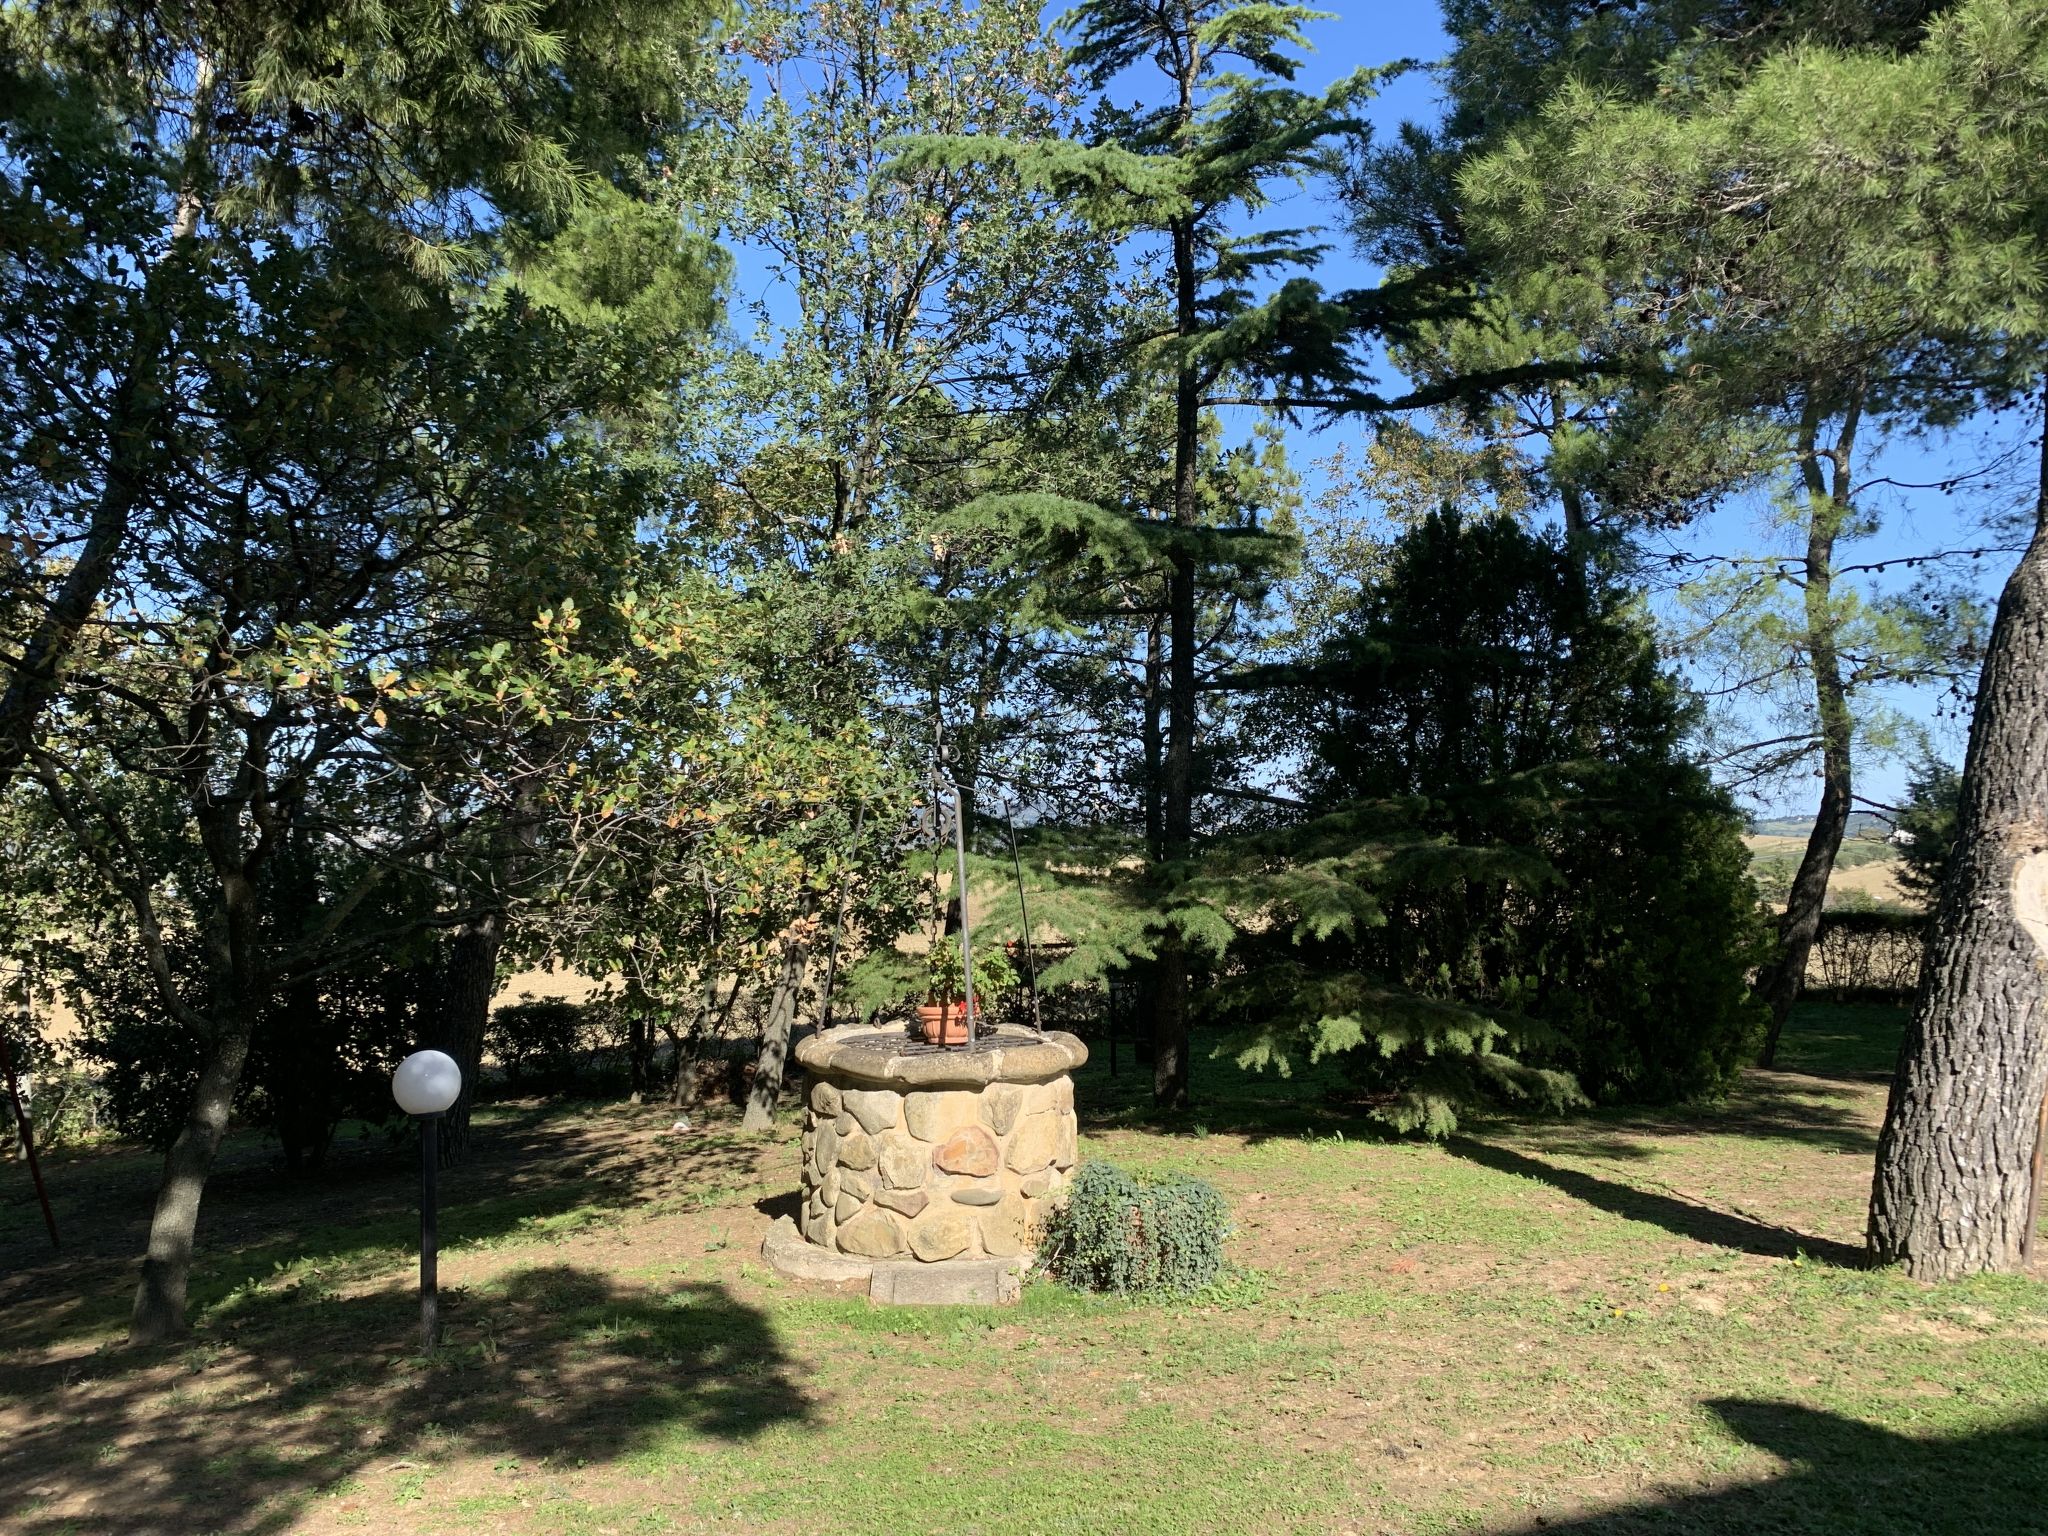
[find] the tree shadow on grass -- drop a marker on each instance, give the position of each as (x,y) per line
(1838,1112)
(1852,1479)
(1852,1041)
(1778,1106)
(534,1169)
(288,1397)
(1685,1218)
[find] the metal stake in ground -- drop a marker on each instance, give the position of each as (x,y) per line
(425,1084)
(1024,921)
(966,924)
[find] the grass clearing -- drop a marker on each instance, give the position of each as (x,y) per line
(1622,1322)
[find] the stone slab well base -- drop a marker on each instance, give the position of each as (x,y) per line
(917,1153)
(898,1282)
(785,1249)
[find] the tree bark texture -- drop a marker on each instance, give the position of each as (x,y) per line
(1170,996)
(1954,1164)
(167,1264)
(238,996)
(468,984)
(641,1023)
(775,1032)
(1154,743)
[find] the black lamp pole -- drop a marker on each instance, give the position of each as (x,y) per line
(430,1301)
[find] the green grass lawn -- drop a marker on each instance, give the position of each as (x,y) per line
(1618,1323)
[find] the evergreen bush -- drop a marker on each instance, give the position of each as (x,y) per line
(1514,878)
(1118,1232)
(1934,798)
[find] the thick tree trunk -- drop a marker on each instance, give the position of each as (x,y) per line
(1828,508)
(1954,1164)
(1170,995)
(305,1044)
(167,1266)
(641,1023)
(689,1073)
(238,993)
(775,1032)
(1154,743)
(1577,524)
(468,983)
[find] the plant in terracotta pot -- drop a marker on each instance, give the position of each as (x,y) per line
(942,1016)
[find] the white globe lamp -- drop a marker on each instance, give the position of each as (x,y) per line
(425,1085)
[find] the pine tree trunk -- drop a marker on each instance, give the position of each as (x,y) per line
(1170,995)
(167,1265)
(1154,743)
(468,983)
(1828,509)
(1781,981)
(1954,1164)
(775,1032)
(1577,524)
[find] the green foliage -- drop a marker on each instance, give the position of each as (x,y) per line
(1927,824)
(303,490)
(1115,1231)
(545,1043)
(317,1055)
(1600,173)
(65,1100)
(1515,879)
(994,974)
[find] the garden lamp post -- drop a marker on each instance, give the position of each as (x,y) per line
(425,1084)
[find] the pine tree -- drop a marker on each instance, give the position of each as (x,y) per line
(1935,268)
(1788,386)
(1927,829)
(890,478)
(1236,328)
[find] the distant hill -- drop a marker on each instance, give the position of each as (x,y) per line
(1866,869)
(1861,824)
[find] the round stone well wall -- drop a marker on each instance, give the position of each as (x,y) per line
(916,1152)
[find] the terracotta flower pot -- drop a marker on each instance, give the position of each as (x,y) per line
(943,1023)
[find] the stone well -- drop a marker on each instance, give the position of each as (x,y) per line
(925,1168)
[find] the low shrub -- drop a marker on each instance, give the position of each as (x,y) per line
(551,1044)
(1118,1232)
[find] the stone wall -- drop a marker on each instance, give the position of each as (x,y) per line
(933,1174)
